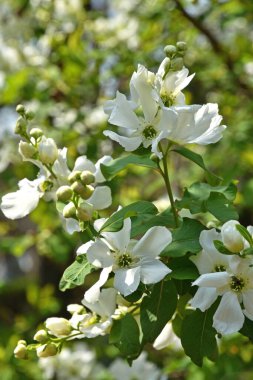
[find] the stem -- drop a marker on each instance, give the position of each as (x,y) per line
(165,175)
(50,170)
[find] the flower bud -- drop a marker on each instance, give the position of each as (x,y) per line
(170,50)
(20,128)
(29,115)
(41,336)
(87,177)
(20,351)
(49,349)
(69,210)
(74,176)
(26,150)
(36,133)
(64,193)
(177,64)
(20,109)
(154,157)
(58,326)
(231,238)
(83,214)
(48,151)
(75,308)
(181,45)
(85,191)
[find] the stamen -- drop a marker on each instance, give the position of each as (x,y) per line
(220,268)
(125,260)
(237,284)
(149,132)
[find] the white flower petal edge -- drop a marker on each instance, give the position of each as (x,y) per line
(153,242)
(204,298)
(105,305)
(92,295)
(101,198)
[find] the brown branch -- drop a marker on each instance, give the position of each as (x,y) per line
(217,47)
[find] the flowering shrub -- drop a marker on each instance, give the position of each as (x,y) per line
(153,267)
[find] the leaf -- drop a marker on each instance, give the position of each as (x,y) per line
(183,269)
(75,274)
(125,335)
(157,309)
(197,159)
(247,329)
(140,208)
(111,169)
(221,247)
(218,206)
(198,335)
(185,239)
(245,233)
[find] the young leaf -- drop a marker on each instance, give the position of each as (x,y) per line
(75,274)
(198,335)
(140,208)
(221,247)
(185,239)
(245,233)
(157,309)
(197,159)
(111,169)
(125,334)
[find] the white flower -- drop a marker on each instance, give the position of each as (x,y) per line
(132,261)
(236,288)
(231,237)
(58,326)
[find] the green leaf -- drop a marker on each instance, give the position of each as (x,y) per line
(218,206)
(245,233)
(157,309)
(185,239)
(125,335)
(197,159)
(75,274)
(183,269)
(221,247)
(111,169)
(140,208)
(247,329)
(198,335)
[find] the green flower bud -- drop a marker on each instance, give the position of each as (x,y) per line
(36,133)
(74,176)
(87,177)
(20,128)
(41,336)
(48,349)
(170,50)
(181,45)
(69,210)
(22,341)
(20,351)
(154,157)
(83,214)
(64,193)
(177,64)
(48,151)
(30,115)
(26,150)
(20,109)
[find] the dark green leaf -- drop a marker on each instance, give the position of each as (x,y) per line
(247,329)
(125,335)
(183,269)
(221,247)
(218,206)
(197,159)
(198,335)
(75,274)
(111,169)
(157,309)
(185,239)
(245,233)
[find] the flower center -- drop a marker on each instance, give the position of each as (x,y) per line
(149,132)
(168,99)
(219,268)
(237,284)
(125,260)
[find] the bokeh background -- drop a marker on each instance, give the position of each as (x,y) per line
(63,59)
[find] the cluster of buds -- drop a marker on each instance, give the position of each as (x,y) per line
(174,56)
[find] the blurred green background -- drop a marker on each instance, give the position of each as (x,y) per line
(63,59)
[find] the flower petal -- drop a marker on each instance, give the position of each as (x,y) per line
(153,242)
(82,163)
(98,174)
(119,240)
(98,254)
(71,225)
(228,317)
(247,297)
(105,305)
(129,143)
(213,280)
(101,198)
(153,271)
(126,281)
(122,113)
(84,248)
(92,295)
(204,298)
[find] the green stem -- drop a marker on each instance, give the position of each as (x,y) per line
(50,170)
(165,175)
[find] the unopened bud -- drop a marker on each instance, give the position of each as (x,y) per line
(41,336)
(154,157)
(20,128)
(69,211)
(48,151)
(181,45)
(75,308)
(49,349)
(64,193)
(74,176)
(87,177)
(170,50)
(20,109)
(20,351)
(29,115)
(22,341)
(177,64)
(26,150)
(83,215)
(58,326)
(231,237)
(36,133)
(85,191)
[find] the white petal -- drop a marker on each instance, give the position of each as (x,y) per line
(22,202)
(82,163)
(119,240)
(126,281)
(247,297)
(153,242)
(60,167)
(206,239)
(105,305)
(71,225)
(92,295)
(129,143)
(204,298)
(228,317)
(84,248)
(101,198)
(213,280)
(97,329)
(98,174)
(153,271)
(167,337)
(99,254)
(122,113)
